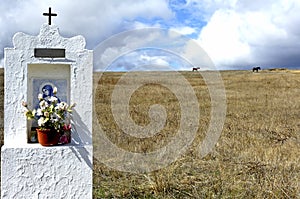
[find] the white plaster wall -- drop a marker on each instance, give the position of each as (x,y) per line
(47,172)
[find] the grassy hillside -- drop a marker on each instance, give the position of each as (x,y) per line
(257,155)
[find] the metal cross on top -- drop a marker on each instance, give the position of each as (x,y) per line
(49,15)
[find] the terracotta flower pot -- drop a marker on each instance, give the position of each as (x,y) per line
(48,137)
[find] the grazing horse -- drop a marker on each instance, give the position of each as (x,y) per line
(196,69)
(256,69)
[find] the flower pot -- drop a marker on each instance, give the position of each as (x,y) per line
(48,137)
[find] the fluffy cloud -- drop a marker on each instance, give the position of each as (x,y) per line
(142,60)
(149,60)
(96,20)
(184,30)
(246,33)
(223,40)
(149,48)
(104,18)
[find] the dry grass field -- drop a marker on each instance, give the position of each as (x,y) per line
(257,155)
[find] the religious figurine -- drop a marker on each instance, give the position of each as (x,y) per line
(48,92)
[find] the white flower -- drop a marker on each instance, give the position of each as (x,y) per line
(53,99)
(54,90)
(46,114)
(62,106)
(40,96)
(39,112)
(41,121)
(53,119)
(43,104)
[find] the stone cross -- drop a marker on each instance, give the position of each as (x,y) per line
(50,15)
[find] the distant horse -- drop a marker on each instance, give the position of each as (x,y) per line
(256,69)
(196,69)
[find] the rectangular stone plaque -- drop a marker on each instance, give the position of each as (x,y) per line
(50,52)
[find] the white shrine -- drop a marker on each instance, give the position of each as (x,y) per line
(30,170)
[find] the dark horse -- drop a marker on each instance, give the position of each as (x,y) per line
(196,69)
(256,69)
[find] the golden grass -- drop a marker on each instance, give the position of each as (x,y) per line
(257,155)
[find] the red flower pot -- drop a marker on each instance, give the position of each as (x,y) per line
(48,137)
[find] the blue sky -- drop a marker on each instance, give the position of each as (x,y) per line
(235,34)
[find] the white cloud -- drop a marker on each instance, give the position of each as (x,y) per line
(184,30)
(104,18)
(247,33)
(195,54)
(154,60)
(96,20)
(140,25)
(222,38)
(123,44)
(141,60)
